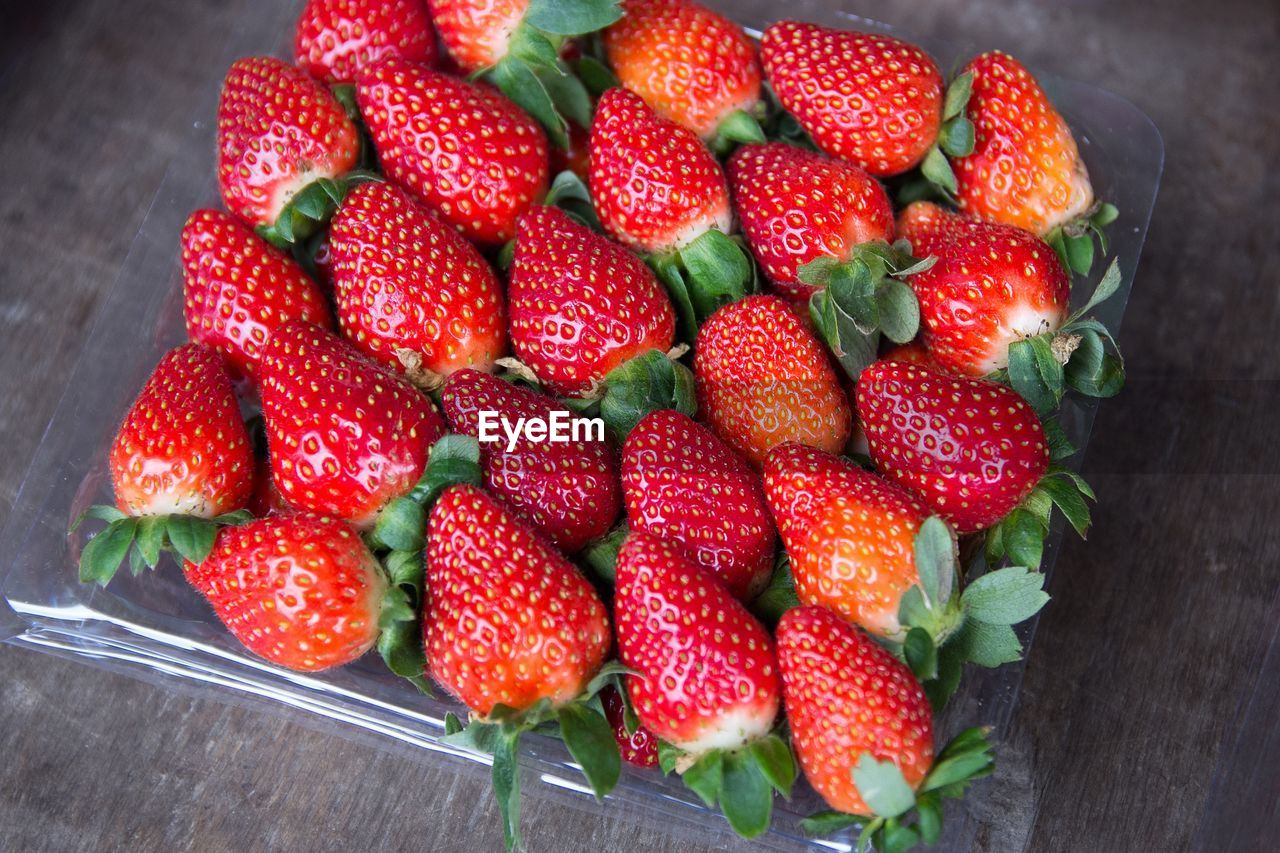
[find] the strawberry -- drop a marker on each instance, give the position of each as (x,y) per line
(693,66)
(477,34)
(704,678)
(797,206)
(763,380)
(575,156)
(683,484)
(637,746)
(409,290)
(470,154)
(346,435)
(581,305)
(301,591)
(913,352)
(336,39)
(239,289)
(266,499)
(282,138)
(566,491)
(867,98)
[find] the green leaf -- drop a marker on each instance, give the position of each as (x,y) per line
(395,608)
(973,739)
(935,558)
(668,755)
(897,837)
(102,512)
(960,763)
(1023,538)
(746,798)
(137,565)
(957,97)
(852,347)
(610,673)
(776,763)
(821,824)
(517,80)
(1079,252)
(152,536)
(1060,447)
(988,645)
(401,525)
(406,569)
(104,553)
(718,272)
(912,609)
(601,555)
(936,168)
(1107,213)
(705,777)
(740,126)
(506,787)
(642,385)
(779,596)
(234,519)
(1107,287)
(572,17)
(929,813)
(590,741)
(956,137)
(951,661)
(1006,596)
(595,75)
(567,186)
(899,311)
(307,212)
(400,646)
(532,47)
(192,537)
(1068,499)
(882,786)
(921,654)
(671,274)
(1092,370)
(475,736)
(1049,367)
(453,459)
(1025,377)
(570,96)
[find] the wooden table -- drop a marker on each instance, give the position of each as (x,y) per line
(1143,660)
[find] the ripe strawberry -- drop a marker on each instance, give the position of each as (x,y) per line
(266,499)
(992,285)
(693,66)
(474,157)
(239,289)
(850,535)
(408,287)
(913,352)
(763,380)
(477,34)
(797,206)
(1025,169)
(511,620)
(301,590)
(655,185)
(972,449)
(867,98)
(580,304)
(683,484)
(567,491)
(639,747)
(279,131)
(337,39)
(347,435)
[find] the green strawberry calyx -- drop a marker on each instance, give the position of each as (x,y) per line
(142,539)
(309,210)
(1079,241)
(704,275)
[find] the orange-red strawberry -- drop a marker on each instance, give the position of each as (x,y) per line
(239,289)
(913,352)
(300,590)
(797,206)
(474,157)
(279,130)
(1025,169)
(581,304)
(991,286)
(336,39)
(867,98)
(763,380)
(638,747)
(684,484)
(347,435)
(692,65)
(408,287)
(568,491)
(477,33)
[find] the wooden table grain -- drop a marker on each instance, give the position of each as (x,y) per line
(1135,691)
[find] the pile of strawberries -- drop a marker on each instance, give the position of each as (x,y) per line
(816,294)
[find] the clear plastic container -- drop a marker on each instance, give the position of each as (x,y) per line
(156,627)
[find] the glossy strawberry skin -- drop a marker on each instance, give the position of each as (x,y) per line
(568,492)
(278,130)
(972,449)
(474,157)
(845,696)
(683,484)
(477,33)
(763,380)
(346,435)
(336,39)
(690,64)
(301,590)
(1025,169)
(403,279)
(796,206)
(655,185)
(511,620)
(849,533)
(182,447)
(991,286)
(639,748)
(707,678)
(238,289)
(580,303)
(867,98)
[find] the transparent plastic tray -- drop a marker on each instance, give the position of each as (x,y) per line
(156,627)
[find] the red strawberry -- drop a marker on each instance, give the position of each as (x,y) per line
(796,206)
(763,380)
(408,287)
(477,33)
(683,484)
(239,289)
(913,352)
(971,449)
(1025,169)
(337,39)
(266,499)
(279,130)
(639,747)
(301,591)
(850,535)
(511,620)
(581,304)
(867,98)
(847,696)
(655,185)
(474,157)
(566,491)
(692,65)
(347,436)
